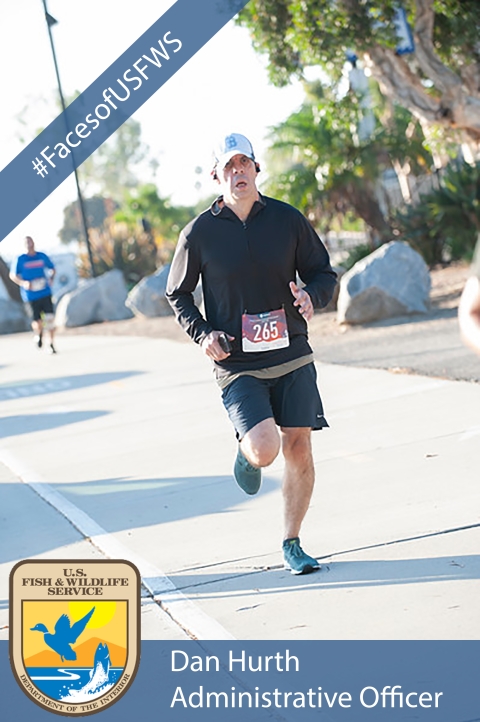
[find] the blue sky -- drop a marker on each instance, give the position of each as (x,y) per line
(223,88)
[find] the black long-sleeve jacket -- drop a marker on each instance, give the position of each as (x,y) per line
(247,267)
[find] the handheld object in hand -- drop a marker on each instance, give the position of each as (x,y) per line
(225,344)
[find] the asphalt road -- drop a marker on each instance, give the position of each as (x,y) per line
(119,447)
(425,344)
(429,345)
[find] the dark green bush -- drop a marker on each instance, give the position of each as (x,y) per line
(356,254)
(416,226)
(445,224)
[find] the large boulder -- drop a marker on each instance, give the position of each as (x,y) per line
(95,300)
(66,275)
(147,298)
(8,289)
(392,281)
(13,318)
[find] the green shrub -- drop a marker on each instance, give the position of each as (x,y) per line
(356,254)
(445,224)
(416,226)
(455,209)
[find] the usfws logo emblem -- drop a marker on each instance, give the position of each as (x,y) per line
(74,632)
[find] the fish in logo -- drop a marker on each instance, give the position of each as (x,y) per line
(74,632)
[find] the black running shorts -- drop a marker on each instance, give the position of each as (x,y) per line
(292,400)
(41,305)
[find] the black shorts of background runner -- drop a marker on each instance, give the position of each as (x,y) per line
(291,400)
(41,305)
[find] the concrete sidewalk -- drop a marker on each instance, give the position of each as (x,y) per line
(128,437)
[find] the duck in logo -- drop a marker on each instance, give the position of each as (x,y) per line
(65,634)
(74,645)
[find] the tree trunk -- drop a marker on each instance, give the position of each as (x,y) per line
(457,103)
(366,205)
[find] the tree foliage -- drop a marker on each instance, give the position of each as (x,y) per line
(137,236)
(97,210)
(144,206)
(321,165)
(110,171)
(439,83)
(106,177)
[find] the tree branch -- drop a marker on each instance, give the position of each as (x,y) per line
(444,78)
(455,108)
(401,84)
(471,77)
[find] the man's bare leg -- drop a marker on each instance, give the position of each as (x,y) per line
(50,326)
(298,481)
(261,445)
(37,328)
(298,478)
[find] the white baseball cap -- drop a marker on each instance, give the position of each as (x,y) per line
(230,145)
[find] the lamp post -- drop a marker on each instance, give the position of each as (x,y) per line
(50,22)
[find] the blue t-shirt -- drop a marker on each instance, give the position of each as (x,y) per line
(33,268)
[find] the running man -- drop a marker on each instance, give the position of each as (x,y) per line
(247,249)
(34,272)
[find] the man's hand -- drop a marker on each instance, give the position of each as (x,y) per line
(211,346)
(302,301)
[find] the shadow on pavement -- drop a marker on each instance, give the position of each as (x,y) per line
(115,504)
(127,503)
(29,423)
(38,387)
(333,576)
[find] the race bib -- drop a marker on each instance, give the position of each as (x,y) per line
(38,284)
(264,331)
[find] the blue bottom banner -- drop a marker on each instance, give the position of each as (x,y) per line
(348,681)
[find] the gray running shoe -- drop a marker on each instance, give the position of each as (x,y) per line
(248,477)
(296,561)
